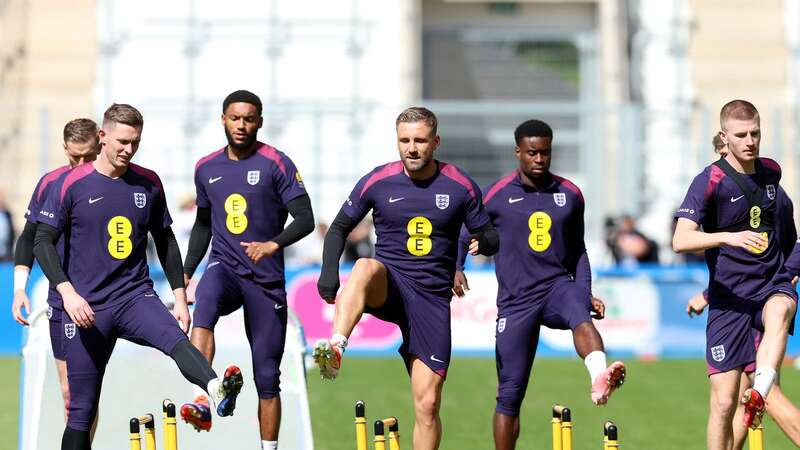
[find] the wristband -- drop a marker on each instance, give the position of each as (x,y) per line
(21,279)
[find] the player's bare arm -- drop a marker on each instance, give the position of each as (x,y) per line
(474,247)
(460,284)
(75,305)
(484,241)
(689,238)
(696,305)
(181,309)
(792,263)
(598,308)
(21,302)
(23,261)
(257,250)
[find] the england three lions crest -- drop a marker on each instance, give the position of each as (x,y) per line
(442,201)
(718,353)
(771,191)
(560,198)
(253,177)
(139,199)
(69,330)
(501,325)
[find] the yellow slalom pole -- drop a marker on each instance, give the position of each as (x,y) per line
(135,437)
(610,436)
(556,427)
(566,429)
(170,425)
(755,438)
(380,438)
(149,431)
(361,426)
(394,432)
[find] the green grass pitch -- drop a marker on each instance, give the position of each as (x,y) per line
(662,406)
(9,402)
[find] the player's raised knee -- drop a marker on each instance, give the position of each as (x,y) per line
(367,265)
(366,268)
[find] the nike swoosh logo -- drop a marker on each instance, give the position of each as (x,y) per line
(515,200)
(149,295)
(434,358)
(210,265)
(737,198)
(94,200)
(277,306)
(392,200)
(214,180)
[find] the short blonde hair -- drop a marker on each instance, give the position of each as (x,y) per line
(739,110)
(124,114)
(80,131)
(418,114)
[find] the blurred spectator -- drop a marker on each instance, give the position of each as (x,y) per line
(309,249)
(7,235)
(610,233)
(627,244)
(359,243)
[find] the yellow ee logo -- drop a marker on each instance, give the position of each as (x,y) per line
(539,223)
(120,229)
(419,231)
(760,250)
(235,206)
(755,217)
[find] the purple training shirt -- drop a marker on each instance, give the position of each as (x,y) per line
(248,201)
(417,222)
(104,224)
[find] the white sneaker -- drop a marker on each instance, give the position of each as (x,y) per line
(223,391)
